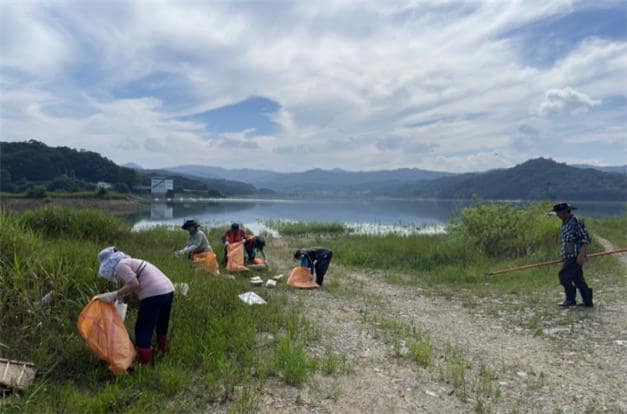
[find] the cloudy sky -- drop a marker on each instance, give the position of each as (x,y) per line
(293,85)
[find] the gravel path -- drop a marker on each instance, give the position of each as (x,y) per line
(576,367)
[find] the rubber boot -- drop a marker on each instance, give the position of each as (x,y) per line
(144,355)
(587,298)
(162,341)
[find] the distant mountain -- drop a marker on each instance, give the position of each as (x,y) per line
(216,186)
(133,166)
(621,169)
(535,179)
(318,181)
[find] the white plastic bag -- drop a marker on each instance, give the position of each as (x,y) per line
(252,298)
(182,288)
(121,308)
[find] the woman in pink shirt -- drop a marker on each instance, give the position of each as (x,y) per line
(154,290)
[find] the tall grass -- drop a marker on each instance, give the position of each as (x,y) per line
(613,229)
(213,334)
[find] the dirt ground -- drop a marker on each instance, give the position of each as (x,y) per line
(113,206)
(574,367)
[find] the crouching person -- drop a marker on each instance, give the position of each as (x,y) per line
(316,259)
(197,242)
(154,290)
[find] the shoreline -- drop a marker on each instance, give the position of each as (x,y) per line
(115,206)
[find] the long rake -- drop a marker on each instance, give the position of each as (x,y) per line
(550,262)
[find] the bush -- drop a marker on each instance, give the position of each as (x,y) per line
(502,230)
(36,191)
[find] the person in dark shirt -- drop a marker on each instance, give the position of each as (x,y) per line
(317,259)
(253,247)
(574,251)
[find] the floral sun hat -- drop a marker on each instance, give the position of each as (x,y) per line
(109,258)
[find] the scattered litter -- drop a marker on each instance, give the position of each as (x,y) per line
(621,343)
(256,281)
(270,283)
(521,374)
(120,308)
(278,277)
(182,288)
(17,374)
(47,298)
(252,298)
(431,393)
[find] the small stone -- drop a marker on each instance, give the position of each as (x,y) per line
(521,374)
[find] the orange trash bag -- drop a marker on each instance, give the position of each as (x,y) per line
(301,278)
(207,261)
(235,253)
(105,333)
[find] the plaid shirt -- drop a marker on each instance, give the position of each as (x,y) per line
(573,234)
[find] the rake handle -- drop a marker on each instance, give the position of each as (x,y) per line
(550,262)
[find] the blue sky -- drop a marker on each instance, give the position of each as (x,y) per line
(289,86)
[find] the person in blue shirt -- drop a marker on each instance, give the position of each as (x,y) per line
(574,251)
(317,259)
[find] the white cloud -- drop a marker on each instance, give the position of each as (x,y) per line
(567,100)
(349,77)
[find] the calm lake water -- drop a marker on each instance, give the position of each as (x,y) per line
(369,216)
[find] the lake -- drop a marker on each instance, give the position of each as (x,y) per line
(363,215)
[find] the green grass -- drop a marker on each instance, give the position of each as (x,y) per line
(213,334)
(613,229)
(287,228)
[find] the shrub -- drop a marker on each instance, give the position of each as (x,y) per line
(36,191)
(502,230)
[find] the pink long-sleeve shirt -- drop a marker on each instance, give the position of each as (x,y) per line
(152,281)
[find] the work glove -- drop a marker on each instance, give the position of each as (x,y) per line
(107,297)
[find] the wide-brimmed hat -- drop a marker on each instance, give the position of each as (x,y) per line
(558,208)
(190,223)
(109,257)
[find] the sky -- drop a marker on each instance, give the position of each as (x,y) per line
(295,85)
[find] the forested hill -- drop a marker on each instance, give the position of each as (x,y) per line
(23,164)
(33,162)
(532,180)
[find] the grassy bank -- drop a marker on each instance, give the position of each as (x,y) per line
(216,355)
(223,352)
(483,238)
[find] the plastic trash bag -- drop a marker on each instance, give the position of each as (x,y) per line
(302,278)
(207,261)
(105,333)
(235,253)
(120,308)
(252,298)
(181,288)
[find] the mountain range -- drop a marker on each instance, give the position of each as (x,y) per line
(25,164)
(534,179)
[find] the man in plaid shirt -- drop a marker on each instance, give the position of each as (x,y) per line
(574,252)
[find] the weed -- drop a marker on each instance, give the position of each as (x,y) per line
(332,363)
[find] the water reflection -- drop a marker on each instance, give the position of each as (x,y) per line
(381,213)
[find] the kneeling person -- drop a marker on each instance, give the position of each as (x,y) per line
(197,241)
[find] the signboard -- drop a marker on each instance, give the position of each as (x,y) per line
(161,185)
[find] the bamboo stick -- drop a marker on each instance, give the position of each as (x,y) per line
(550,262)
